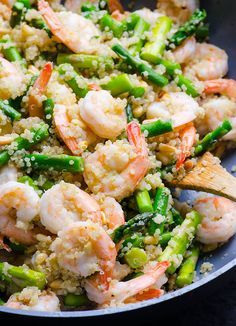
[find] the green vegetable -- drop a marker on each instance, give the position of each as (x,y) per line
(28,180)
(181,240)
(156,128)
(17,15)
(86,61)
(187,269)
(22,276)
(131,21)
(76,300)
(202,33)
(88,6)
(143,201)
(188,29)
(10,52)
(119,84)
(110,24)
(47,185)
(160,206)
(140,66)
(177,218)
(16,247)
(39,23)
(165,238)
(140,28)
(48,106)
(129,113)
(1,302)
(26,3)
(136,258)
(132,276)
(211,138)
(137,91)
(38,135)
(76,82)
(137,223)
(9,111)
(156,46)
(186,85)
(64,163)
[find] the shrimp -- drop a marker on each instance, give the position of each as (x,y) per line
(138,289)
(76,32)
(185,51)
(216,110)
(31,298)
(179,107)
(38,89)
(104,114)
(74,132)
(7,174)
(8,3)
(11,80)
(188,137)
(114,215)
(179,10)
(115,169)
(209,62)
(85,248)
(223,86)
(115,5)
(219,220)
(25,201)
(64,204)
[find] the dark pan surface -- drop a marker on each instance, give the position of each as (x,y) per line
(221,15)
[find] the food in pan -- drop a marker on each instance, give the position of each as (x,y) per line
(100,109)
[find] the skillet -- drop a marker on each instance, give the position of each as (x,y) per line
(221,16)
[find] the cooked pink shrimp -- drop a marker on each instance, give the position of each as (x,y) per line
(144,287)
(104,114)
(179,10)
(64,204)
(11,79)
(188,137)
(185,51)
(209,62)
(223,86)
(219,219)
(38,89)
(113,212)
(73,30)
(115,169)
(8,3)
(31,298)
(75,134)
(85,248)
(25,201)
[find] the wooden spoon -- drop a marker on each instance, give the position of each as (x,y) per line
(209,176)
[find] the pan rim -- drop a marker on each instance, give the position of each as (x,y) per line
(127,307)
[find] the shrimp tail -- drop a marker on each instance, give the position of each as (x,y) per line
(149,294)
(39,87)
(136,139)
(188,137)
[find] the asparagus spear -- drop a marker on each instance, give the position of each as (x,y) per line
(22,276)
(156,128)
(186,272)
(140,66)
(160,206)
(64,163)
(165,238)
(48,106)
(143,201)
(188,29)
(119,84)
(39,23)
(186,85)
(181,240)
(28,180)
(129,113)
(10,52)
(76,300)
(9,111)
(140,28)
(76,82)
(38,135)
(17,14)
(156,46)
(1,302)
(137,223)
(136,257)
(86,61)
(137,91)
(110,24)
(211,138)
(177,218)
